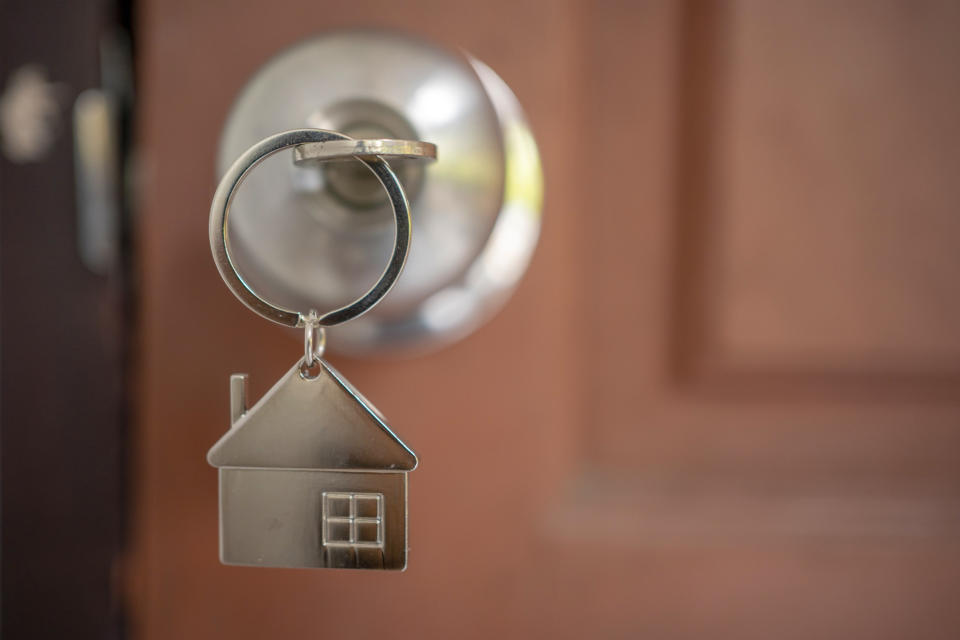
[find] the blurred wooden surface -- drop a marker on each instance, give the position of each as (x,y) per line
(722,403)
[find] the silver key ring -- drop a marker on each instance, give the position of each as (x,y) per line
(310,145)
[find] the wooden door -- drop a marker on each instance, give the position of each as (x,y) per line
(723,402)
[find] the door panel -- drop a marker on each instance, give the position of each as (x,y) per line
(721,402)
(828,191)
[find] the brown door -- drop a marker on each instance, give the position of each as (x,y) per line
(723,402)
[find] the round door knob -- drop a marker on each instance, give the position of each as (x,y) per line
(319,233)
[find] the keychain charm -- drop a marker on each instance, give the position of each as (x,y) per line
(311,475)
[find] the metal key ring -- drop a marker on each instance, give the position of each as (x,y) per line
(220,211)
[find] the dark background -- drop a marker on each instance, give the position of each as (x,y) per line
(63,331)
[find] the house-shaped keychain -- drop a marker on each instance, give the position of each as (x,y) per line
(311,476)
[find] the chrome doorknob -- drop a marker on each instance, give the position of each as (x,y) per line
(309,234)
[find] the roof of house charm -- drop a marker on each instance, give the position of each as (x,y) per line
(311,476)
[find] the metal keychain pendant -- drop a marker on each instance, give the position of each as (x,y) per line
(311,476)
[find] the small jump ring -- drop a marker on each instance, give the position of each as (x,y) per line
(314,340)
(220,211)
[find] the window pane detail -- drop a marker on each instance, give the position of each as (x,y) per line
(368,507)
(352,520)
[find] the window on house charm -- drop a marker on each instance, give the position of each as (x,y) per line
(353,520)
